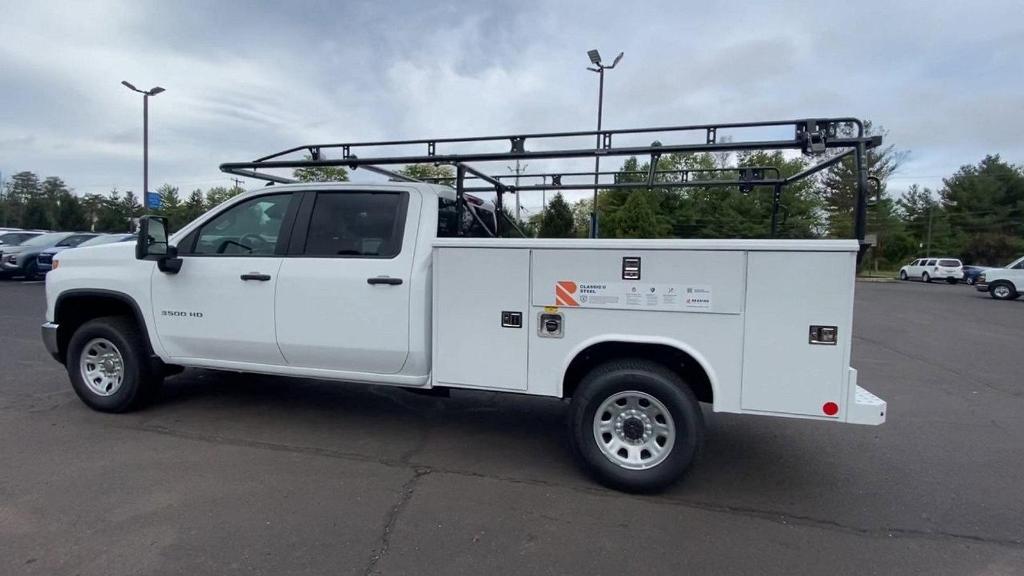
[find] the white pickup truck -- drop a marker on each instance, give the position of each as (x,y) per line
(366,283)
(1003,283)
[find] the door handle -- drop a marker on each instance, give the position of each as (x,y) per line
(255,276)
(384,280)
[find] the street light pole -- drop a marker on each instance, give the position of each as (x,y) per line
(145,136)
(595,59)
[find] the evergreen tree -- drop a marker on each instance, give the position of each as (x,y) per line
(36,215)
(839,185)
(558,221)
(71,214)
(194,207)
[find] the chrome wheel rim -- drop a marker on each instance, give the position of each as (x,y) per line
(634,430)
(1001,291)
(102,367)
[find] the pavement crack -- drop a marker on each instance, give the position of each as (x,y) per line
(391,519)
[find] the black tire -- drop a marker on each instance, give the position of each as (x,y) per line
(952,281)
(31,271)
(970,281)
(903,275)
(657,381)
(140,381)
(1010,292)
(926,278)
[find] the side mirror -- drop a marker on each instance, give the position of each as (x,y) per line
(152,244)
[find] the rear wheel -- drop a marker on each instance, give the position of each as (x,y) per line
(1002,291)
(635,425)
(31,271)
(109,367)
(925,277)
(903,275)
(970,281)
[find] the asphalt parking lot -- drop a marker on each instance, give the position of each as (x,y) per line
(239,474)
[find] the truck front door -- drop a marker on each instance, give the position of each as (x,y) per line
(343,294)
(220,305)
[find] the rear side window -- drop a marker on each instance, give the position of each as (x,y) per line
(357,225)
(474,225)
(949,263)
(930,263)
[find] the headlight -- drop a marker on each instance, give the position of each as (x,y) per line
(12,259)
(981,277)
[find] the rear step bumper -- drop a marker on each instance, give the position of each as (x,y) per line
(864,407)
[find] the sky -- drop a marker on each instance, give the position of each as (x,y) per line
(244,79)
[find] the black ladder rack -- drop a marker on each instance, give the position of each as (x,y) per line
(815,136)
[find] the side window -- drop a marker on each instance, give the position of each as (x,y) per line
(930,263)
(447,214)
(251,228)
(357,224)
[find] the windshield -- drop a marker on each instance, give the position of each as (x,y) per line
(46,239)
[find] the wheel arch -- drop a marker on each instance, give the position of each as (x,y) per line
(674,354)
(77,306)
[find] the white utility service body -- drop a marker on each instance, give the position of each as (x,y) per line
(741,308)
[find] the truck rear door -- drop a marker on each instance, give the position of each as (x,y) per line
(343,291)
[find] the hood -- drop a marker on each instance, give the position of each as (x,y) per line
(12,249)
(116,250)
(54,250)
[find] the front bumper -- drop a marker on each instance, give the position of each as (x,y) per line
(49,330)
(981,286)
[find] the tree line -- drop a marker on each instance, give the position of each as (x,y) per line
(977,214)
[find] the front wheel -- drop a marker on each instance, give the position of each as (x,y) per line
(1002,291)
(635,425)
(903,275)
(108,365)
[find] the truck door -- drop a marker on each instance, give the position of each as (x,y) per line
(343,294)
(220,305)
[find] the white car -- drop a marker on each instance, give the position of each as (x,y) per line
(927,269)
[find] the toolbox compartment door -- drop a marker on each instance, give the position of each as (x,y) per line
(787,293)
(475,292)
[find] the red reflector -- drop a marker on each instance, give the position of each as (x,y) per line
(830,408)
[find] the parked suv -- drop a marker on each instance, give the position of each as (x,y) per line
(1003,283)
(928,269)
(21,260)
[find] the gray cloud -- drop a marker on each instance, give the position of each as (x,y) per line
(244,79)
